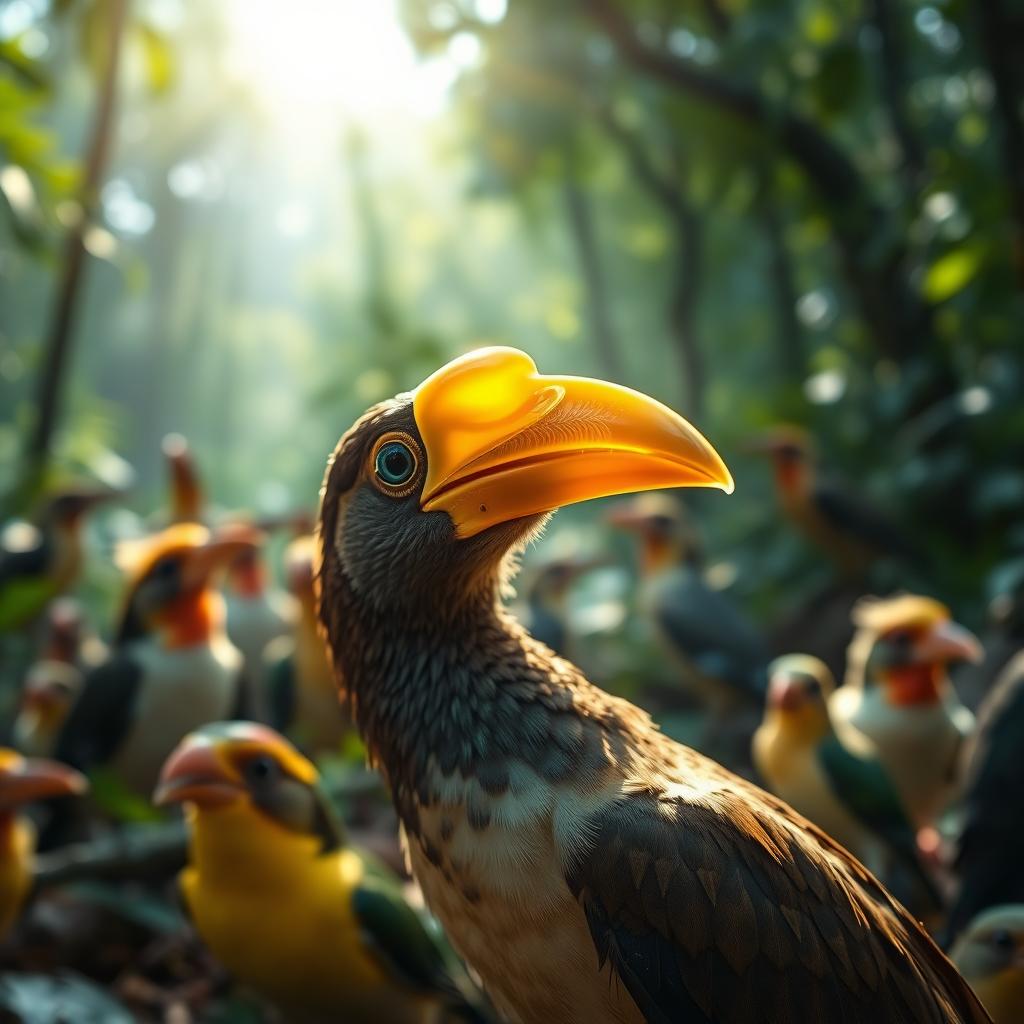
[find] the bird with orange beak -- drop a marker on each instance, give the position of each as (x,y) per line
(590,869)
(285,903)
(172,667)
(851,532)
(23,781)
(899,696)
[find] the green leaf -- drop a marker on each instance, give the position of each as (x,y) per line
(158,57)
(951,273)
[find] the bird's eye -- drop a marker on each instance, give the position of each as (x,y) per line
(901,637)
(165,568)
(261,769)
(395,464)
(1003,940)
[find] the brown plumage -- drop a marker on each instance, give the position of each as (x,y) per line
(588,867)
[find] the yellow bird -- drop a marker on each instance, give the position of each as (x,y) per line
(990,955)
(283,902)
(23,780)
(845,791)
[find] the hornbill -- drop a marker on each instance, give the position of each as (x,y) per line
(589,868)
(41,561)
(899,696)
(990,851)
(172,668)
(847,792)
(990,955)
(282,900)
(850,531)
(21,782)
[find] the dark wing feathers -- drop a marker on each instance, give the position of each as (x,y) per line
(729,914)
(712,633)
(398,937)
(100,718)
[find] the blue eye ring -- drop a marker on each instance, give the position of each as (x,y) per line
(395,464)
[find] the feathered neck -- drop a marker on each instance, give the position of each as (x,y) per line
(461,691)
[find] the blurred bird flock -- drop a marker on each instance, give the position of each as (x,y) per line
(226,229)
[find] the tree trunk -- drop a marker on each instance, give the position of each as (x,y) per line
(56,356)
(788,333)
(599,321)
(1004,63)
(683,309)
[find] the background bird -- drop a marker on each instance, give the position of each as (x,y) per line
(546,614)
(851,532)
(281,898)
(990,955)
(587,866)
(718,652)
(898,695)
(846,792)
(303,697)
(21,782)
(68,650)
(171,669)
(42,560)
(257,614)
(990,850)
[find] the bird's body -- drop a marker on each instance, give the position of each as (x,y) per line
(850,531)
(716,650)
(899,696)
(291,954)
(172,668)
(321,940)
(22,781)
(17,841)
(183,689)
(591,869)
(990,852)
(990,955)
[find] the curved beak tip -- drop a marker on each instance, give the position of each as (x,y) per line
(504,441)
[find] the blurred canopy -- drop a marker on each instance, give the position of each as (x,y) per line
(758,211)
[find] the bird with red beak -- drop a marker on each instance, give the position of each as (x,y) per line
(172,668)
(592,870)
(23,781)
(898,694)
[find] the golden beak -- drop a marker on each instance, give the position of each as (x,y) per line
(503,441)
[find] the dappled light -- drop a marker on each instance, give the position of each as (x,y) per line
(511,511)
